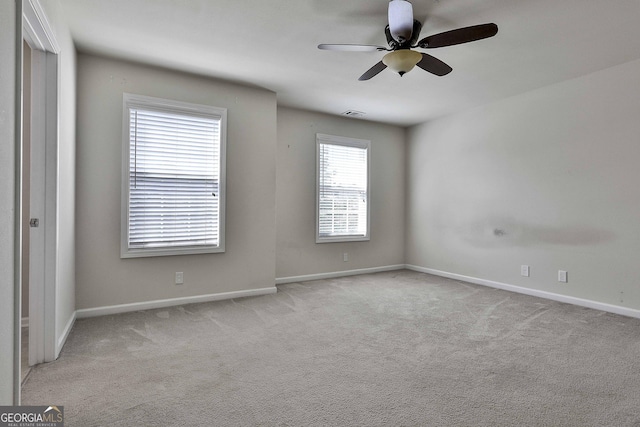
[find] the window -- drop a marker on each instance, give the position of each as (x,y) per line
(343,189)
(173,184)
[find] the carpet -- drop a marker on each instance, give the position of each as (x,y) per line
(397,348)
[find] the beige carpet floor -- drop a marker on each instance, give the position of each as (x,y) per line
(390,349)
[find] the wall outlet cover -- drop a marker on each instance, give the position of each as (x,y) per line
(563,276)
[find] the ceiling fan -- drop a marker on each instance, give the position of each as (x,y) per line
(402,35)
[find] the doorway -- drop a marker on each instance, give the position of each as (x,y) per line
(25,368)
(38,179)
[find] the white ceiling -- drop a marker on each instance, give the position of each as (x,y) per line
(272,44)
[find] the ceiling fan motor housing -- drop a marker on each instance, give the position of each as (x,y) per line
(400,20)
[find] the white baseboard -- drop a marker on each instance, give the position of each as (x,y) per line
(624,311)
(334,274)
(24,322)
(65,334)
(148,305)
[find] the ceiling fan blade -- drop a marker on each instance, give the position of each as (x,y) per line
(461,35)
(351,47)
(434,65)
(373,71)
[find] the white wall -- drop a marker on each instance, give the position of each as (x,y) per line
(65,263)
(102,278)
(548,178)
(7,183)
(297,251)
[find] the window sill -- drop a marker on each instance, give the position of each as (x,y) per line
(340,239)
(146,253)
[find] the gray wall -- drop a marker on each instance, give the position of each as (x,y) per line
(548,178)
(7,183)
(297,251)
(103,278)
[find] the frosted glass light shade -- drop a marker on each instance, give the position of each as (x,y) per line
(402,61)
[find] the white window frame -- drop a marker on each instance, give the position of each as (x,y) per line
(177,107)
(348,142)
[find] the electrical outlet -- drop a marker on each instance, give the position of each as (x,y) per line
(562,276)
(345,257)
(524,270)
(179,278)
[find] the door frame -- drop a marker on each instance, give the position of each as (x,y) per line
(38,33)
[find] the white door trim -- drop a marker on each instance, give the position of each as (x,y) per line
(51,205)
(36,28)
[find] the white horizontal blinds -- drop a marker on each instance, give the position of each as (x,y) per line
(342,187)
(174,179)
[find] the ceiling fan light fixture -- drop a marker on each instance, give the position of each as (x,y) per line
(403,34)
(402,61)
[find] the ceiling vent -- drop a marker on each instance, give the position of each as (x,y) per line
(353,113)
